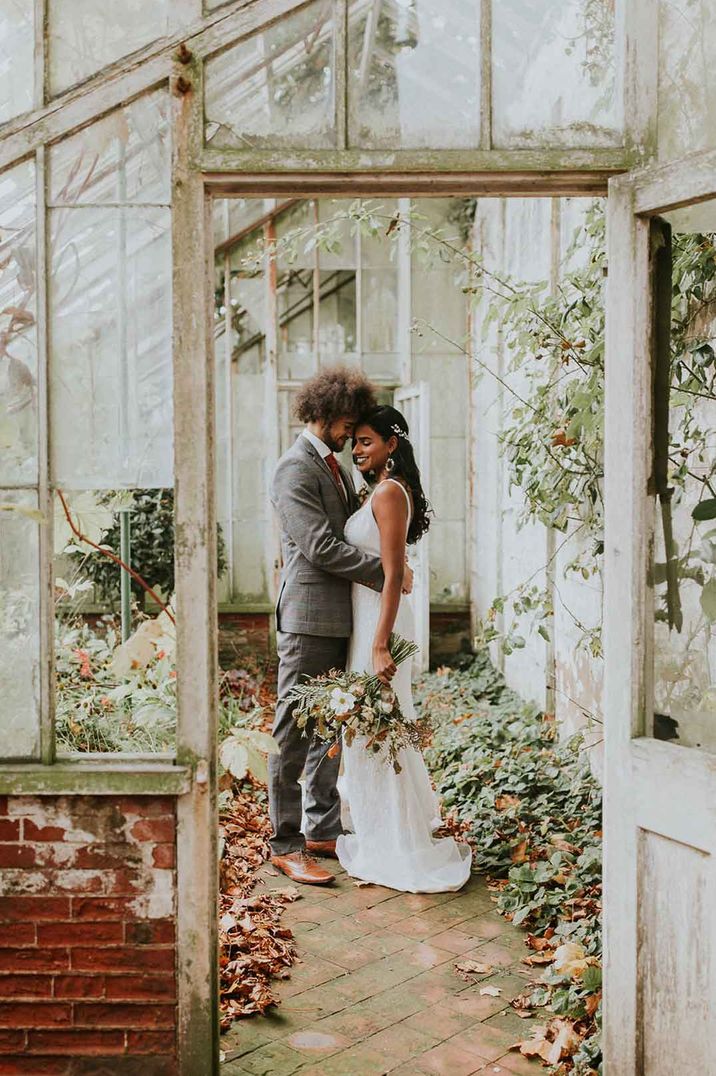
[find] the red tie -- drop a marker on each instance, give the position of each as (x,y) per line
(336,472)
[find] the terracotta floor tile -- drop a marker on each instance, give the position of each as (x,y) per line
(487,926)
(399,1042)
(311,972)
(314,1042)
(485,1041)
(448,1059)
(376,990)
(385,942)
(380,915)
(441,1021)
(454,940)
(273,1059)
(516,1064)
(472,1003)
(414,927)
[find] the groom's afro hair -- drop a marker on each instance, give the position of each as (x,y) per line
(335,392)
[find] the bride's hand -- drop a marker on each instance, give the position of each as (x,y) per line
(383,665)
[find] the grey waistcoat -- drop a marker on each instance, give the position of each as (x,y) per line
(318,565)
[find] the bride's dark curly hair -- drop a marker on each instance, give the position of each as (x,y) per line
(388,422)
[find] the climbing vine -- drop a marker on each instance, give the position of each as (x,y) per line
(552,433)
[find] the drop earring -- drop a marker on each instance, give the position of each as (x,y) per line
(390,465)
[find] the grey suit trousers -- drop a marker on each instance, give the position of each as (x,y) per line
(301,656)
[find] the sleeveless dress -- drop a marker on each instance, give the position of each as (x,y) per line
(392,815)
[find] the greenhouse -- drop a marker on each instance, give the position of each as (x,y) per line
(504,215)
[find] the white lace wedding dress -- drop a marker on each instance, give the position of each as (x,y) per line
(392,815)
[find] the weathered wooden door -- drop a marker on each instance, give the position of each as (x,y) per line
(414,402)
(660,763)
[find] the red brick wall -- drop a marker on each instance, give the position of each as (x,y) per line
(245,637)
(87,954)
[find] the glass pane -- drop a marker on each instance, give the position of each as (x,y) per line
(110,331)
(342,252)
(684,571)
(18,285)
(85,36)
(277,87)
(437,299)
(19,624)
(414,73)
(124,157)
(114,656)
(252,511)
(337,337)
(294,299)
(233,216)
(554,74)
(17,57)
(687,78)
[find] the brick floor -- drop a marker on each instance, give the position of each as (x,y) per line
(376,990)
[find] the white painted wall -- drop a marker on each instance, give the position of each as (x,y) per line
(523,237)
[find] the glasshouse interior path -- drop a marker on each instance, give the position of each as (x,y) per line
(377,990)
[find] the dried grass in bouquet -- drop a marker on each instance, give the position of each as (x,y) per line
(349,704)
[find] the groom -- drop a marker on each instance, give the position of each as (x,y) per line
(314,497)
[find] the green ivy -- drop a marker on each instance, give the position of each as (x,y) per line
(534,814)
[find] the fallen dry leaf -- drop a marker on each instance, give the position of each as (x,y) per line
(570,959)
(254,947)
(468,968)
(541,943)
(491,991)
(538,958)
(519,853)
(552,1043)
(502,803)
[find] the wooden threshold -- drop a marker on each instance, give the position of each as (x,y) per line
(542,184)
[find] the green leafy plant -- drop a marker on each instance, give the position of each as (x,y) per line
(152,546)
(534,815)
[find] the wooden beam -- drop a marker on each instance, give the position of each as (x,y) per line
(637,39)
(133,75)
(627,532)
(687,181)
(195,561)
(419,172)
(83,778)
(44,490)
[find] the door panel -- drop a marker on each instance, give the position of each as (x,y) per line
(676,1000)
(660,782)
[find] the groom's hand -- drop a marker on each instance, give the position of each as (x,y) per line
(408,579)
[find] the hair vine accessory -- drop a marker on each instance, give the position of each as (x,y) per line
(396,429)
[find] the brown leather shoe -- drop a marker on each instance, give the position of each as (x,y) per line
(301,867)
(325,849)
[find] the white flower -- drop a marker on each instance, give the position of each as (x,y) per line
(342,701)
(385,707)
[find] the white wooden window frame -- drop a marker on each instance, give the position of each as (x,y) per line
(197,176)
(650,786)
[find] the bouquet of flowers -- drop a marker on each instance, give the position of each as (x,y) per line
(357,704)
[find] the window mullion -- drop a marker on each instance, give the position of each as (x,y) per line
(44,490)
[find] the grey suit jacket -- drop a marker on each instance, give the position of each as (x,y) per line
(318,565)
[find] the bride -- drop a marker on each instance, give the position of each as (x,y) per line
(391,815)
